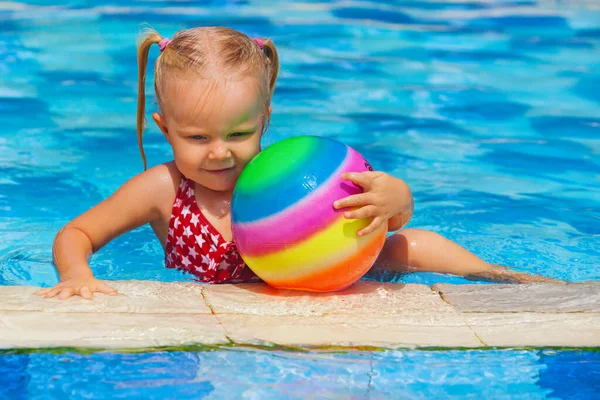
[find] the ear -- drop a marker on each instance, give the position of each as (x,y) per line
(161,123)
(267,120)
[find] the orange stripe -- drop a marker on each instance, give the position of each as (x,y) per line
(339,276)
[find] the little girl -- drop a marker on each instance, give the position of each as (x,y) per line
(214,87)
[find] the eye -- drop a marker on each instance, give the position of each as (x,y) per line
(197,137)
(240,134)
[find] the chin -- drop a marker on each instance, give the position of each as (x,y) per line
(221,188)
(214,183)
(218,186)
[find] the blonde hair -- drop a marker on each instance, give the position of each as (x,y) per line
(199,50)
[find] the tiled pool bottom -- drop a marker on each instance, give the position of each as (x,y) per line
(266,374)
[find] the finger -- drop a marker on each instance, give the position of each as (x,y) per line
(65,293)
(85,292)
(42,292)
(53,292)
(363,212)
(355,200)
(374,225)
(104,288)
(362,179)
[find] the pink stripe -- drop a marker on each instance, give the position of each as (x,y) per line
(303,219)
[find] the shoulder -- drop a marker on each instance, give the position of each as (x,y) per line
(160,181)
(162,176)
(145,198)
(157,185)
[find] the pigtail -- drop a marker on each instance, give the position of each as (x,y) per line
(272,69)
(271,55)
(146,39)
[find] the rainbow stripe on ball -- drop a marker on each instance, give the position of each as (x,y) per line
(284,223)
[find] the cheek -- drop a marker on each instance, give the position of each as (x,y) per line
(251,152)
(186,149)
(187,156)
(246,151)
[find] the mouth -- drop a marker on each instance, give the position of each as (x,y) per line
(219,171)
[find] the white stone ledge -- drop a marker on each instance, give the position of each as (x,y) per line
(537,330)
(371,298)
(140,297)
(34,329)
(539,297)
(389,331)
(386,315)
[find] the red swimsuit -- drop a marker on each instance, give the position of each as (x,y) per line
(195,246)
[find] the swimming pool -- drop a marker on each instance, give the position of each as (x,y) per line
(488,109)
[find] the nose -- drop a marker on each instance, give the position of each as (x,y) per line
(219,151)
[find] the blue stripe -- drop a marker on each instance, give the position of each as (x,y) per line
(326,159)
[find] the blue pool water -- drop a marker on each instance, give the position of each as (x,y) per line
(490,110)
(257,374)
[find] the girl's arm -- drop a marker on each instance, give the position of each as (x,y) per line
(135,203)
(406,205)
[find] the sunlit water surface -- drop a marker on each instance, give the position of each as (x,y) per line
(490,110)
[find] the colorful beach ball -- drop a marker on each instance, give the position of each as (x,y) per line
(284,223)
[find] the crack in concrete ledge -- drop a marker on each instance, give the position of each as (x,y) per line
(461,316)
(212,310)
(441,296)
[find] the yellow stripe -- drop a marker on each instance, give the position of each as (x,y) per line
(321,250)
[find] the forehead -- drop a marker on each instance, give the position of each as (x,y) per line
(212,103)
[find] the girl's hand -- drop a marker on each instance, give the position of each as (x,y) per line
(384,197)
(84,286)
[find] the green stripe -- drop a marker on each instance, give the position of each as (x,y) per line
(275,163)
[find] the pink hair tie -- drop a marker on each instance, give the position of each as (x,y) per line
(163,44)
(259,42)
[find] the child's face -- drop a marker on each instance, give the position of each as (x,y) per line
(214,128)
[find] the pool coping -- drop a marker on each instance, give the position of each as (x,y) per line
(150,314)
